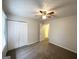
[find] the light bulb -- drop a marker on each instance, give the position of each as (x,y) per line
(44,17)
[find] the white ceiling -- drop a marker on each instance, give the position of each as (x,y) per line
(28,8)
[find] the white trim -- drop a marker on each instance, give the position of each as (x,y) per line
(64,47)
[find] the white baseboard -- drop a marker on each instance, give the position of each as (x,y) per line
(32,42)
(64,47)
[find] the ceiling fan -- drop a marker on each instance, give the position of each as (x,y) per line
(46,14)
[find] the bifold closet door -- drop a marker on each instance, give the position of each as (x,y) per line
(17,34)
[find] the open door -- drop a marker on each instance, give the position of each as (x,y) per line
(44,30)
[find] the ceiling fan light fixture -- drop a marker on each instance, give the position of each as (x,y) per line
(46,14)
(44,17)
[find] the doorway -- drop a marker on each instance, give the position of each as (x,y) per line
(44,31)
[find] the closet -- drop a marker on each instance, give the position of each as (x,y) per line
(17,34)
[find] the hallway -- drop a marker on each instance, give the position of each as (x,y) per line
(41,50)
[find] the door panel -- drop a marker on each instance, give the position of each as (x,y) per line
(23,34)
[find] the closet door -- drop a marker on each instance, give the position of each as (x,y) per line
(17,34)
(23,34)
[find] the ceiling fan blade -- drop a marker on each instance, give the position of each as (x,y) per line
(41,11)
(51,13)
(51,16)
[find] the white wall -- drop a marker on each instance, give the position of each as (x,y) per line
(4,32)
(33,31)
(63,32)
(33,28)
